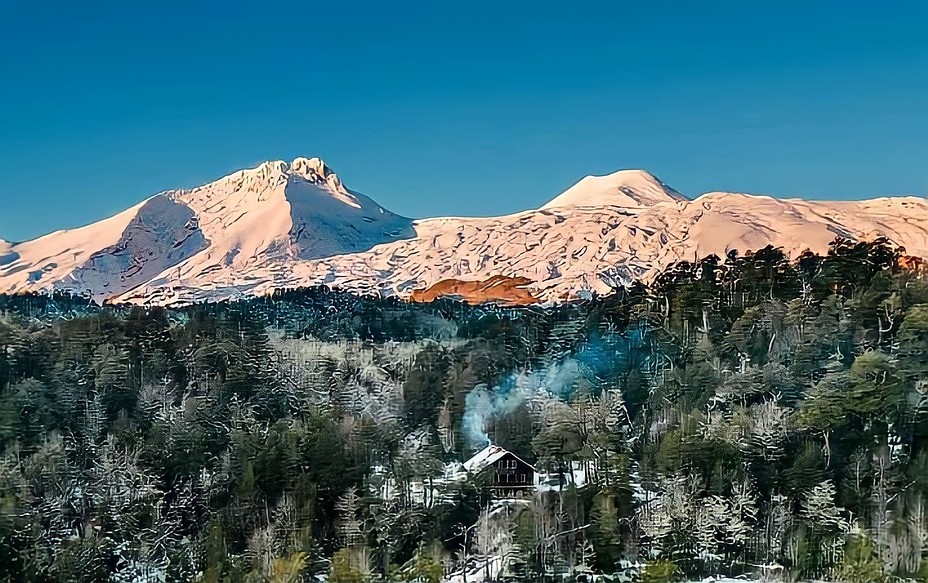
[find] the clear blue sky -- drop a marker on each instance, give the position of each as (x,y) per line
(457,108)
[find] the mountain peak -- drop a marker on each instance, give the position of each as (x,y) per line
(310,167)
(316,171)
(625,188)
(313,170)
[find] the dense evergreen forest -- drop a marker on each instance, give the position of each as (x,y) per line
(739,415)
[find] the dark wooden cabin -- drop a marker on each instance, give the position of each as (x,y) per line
(507,475)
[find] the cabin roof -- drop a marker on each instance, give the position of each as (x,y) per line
(489,456)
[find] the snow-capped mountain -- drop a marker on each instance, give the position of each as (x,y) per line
(277,212)
(627,188)
(286,225)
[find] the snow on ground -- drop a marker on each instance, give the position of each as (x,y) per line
(575,476)
(478,570)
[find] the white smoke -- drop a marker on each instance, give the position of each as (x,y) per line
(483,404)
(601,357)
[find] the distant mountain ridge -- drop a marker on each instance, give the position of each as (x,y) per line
(295,224)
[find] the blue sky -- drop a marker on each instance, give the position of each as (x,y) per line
(448,108)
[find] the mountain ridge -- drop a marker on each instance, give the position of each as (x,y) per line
(294,224)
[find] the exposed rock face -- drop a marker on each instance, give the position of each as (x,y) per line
(499,289)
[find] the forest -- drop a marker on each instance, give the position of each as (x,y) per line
(744,415)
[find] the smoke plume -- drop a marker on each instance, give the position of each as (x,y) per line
(600,359)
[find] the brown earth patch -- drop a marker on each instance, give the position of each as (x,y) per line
(498,289)
(913,264)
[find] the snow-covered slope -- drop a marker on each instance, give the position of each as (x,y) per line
(6,252)
(625,188)
(290,225)
(275,213)
(50,260)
